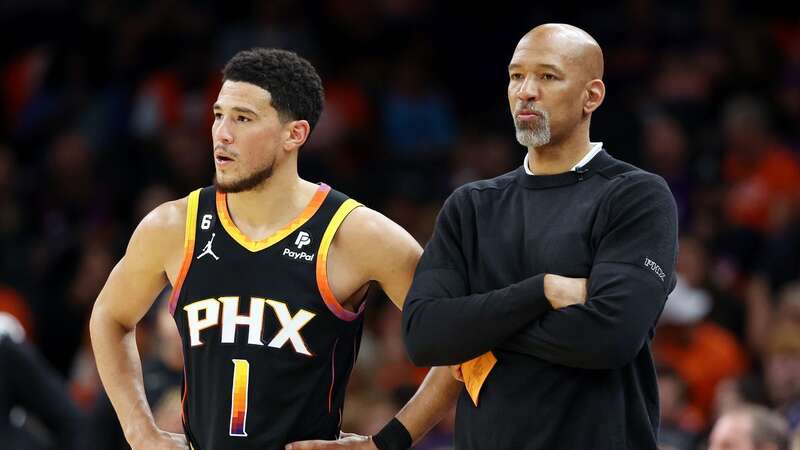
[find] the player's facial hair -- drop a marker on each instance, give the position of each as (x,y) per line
(535,133)
(247,183)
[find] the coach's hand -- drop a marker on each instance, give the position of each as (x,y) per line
(161,441)
(564,291)
(346,441)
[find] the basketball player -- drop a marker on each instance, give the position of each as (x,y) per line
(268,272)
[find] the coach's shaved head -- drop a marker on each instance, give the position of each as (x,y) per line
(555,83)
(574,43)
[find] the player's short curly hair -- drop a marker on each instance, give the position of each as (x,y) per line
(292,81)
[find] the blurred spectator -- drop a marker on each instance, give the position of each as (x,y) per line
(737,391)
(750,428)
(764,176)
(12,303)
(782,371)
(700,351)
(680,422)
(666,152)
(418,121)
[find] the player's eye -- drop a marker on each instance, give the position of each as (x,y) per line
(243,119)
(217,116)
(516,76)
(548,76)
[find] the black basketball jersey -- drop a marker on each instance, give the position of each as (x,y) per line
(267,348)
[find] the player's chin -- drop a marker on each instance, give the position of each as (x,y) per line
(225,182)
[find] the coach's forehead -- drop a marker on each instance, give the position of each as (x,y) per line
(562,45)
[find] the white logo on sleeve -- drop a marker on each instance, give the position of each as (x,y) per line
(303,238)
(650,264)
(207,249)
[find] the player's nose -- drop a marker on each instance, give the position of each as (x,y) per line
(222,133)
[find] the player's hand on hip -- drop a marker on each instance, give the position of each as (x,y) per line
(455,371)
(346,441)
(163,440)
(564,291)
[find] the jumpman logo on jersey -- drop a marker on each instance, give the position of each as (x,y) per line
(207,249)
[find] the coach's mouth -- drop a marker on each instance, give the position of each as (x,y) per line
(527,114)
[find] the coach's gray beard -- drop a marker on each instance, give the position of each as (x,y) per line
(536,135)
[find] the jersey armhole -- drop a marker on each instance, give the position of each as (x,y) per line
(188,248)
(322,264)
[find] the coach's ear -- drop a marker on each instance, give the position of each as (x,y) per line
(297,132)
(594,95)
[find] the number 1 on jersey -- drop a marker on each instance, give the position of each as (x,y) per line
(241,380)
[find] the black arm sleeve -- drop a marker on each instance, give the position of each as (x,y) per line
(39,390)
(442,325)
(632,274)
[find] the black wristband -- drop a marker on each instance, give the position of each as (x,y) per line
(394,436)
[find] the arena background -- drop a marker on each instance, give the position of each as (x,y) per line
(106,113)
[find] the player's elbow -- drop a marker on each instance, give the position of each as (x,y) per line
(98,322)
(102,323)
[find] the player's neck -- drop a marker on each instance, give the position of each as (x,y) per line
(261,211)
(560,156)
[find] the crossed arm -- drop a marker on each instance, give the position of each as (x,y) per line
(625,295)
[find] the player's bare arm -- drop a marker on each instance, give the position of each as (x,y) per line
(153,258)
(370,247)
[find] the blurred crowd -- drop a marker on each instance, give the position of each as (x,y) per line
(106,110)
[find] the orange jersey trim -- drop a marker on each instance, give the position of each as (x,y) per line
(188,248)
(297,222)
(322,263)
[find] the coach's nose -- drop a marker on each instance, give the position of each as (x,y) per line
(529,89)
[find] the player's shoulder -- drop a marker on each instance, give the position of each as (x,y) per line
(165,224)
(168,215)
(364,228)
(364,223)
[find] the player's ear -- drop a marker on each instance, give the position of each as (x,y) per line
(297,133)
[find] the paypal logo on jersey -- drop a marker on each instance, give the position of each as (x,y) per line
(298,255)
(302,240)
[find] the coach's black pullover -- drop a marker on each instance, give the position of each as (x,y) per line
(581,377)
